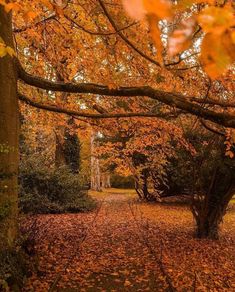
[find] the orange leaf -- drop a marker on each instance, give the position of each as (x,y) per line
(156,34)
(214,58)
(134,8)
(161,8)
(180,39)
(216,19)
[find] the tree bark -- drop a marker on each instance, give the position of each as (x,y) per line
(95,168)
(59,149)
(105,180)
(9,133)
(208,223)
(141,187)
(209,210)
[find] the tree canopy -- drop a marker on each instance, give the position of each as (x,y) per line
(164,55)
(141,88)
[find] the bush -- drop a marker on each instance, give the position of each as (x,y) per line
(122,182)
(44,190)
(189,174)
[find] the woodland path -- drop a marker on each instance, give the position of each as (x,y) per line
(128,246)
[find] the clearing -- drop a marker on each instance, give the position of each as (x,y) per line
(126,245)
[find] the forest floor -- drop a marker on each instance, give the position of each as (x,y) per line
(125,245)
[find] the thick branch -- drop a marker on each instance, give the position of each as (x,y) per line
(214,102)
(172,99)
(212,129)
(73,113)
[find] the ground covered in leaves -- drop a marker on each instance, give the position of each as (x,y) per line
(125,245)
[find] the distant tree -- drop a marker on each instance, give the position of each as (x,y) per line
(72,148)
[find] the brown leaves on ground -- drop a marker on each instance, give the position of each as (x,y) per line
(130,247)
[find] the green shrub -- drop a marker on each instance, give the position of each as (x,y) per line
(44,190)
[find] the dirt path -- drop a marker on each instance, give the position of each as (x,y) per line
(126,246)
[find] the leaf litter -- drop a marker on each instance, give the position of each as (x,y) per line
(129,246)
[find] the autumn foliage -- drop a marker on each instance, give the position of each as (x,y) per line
(140,90)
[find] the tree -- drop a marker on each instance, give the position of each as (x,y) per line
(218,110)
(141,148)
(95,166)
(72,150)
(205,175)
(209,208)
(9,132)
(214,184)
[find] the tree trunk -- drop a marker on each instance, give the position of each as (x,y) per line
(59,149)
(208,223)
(209,210)
(208,228)
(141,187)
(95,168)
(138,189)
(61,129)
(72,148)
(105,181)
(95,174)
(145,187)
(9,133)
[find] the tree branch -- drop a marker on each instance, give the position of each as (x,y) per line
(126,40)
(213,102)
(79,26)
(180,59)
(22,29)
(179,101)
(212,129)
(73,113)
